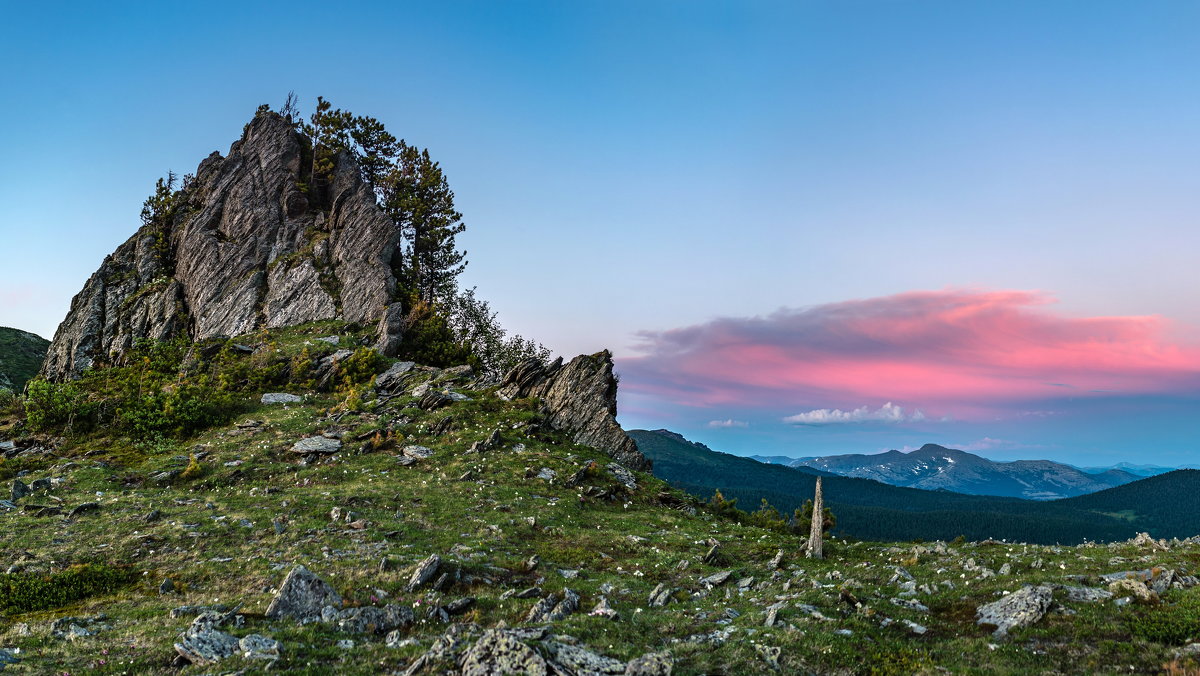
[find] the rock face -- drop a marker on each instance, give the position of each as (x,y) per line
(580,399)
(256,242)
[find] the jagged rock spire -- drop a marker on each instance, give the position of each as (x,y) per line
(255,242)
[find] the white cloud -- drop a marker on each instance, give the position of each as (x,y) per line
(888,413)
(728,423)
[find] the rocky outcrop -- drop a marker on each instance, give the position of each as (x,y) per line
(1018,609)
(253,241)
(580,398)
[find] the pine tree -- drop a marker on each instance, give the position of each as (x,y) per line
(419,200)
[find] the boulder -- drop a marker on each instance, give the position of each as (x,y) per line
(650,664)
(580,398)
(281,398)
(1018,609)
(203,643)
(317,445)
(1135,589)
(302,597)
(499,652)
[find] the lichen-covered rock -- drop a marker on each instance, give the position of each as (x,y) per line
(203,643)
(650,664)
(1019,609)
(580,398)
(368,619)
(317,445)
(1135,589)
(302,597)
(247,247)
(498,653)
(583,661)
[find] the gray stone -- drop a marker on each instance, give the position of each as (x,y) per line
(259,647)
(1018,609)
(603,609)
(547,474)
(251,250)
(332,340)
(302,596)
(424,572)
(618,471)
(581,400)
(777,561)
(19,490)
(583,661)
(393,378)
(716,579)
(773,614)
(368,619)
(417,452)
(317,445)
(650,664)
(202,643)
(1086,594)
(660,596)
(500,652)
(553,608)
(1135,589)
(83,509)
(390,331)
(281,398)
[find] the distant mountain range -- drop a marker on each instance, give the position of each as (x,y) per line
(1140,470)
(934,467)
(21,355)
(1167,505)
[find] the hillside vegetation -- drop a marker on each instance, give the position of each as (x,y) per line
(21,355)
(466,530)
(1164,506)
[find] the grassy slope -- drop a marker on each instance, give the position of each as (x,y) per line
(869,509)
(21,355)
(216,540)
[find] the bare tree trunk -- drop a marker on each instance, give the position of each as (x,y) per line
(816,549)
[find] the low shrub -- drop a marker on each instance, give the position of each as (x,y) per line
(1174,623)
(26,592)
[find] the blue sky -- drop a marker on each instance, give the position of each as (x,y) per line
(632,167)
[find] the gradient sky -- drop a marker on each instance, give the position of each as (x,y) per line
(796,224)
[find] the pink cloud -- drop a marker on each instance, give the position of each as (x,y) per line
(953,351)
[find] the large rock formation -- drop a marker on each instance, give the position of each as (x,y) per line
(256,242)
(580,398)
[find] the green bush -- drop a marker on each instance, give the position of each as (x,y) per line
(360,367)
(1174,624)
(429,340)
(51,406)
(26,592)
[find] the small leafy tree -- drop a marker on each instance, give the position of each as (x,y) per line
(474,323)
(721,506)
